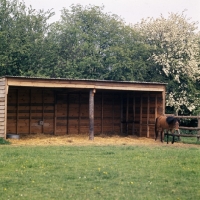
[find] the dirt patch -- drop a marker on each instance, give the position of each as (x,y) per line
(71,140)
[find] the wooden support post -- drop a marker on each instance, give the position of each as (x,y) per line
(163,101)
(91,114)
(198,132)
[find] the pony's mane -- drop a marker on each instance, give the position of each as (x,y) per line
(172,120)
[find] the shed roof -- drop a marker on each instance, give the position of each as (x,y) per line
(83,83)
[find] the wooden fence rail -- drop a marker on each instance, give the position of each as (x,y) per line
(189,128)
(190,117)
(187,117)
(180,135)
(186,128)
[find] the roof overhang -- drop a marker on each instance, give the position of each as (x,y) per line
(84,84)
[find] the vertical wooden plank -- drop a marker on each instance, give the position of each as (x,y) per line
(141,104)
(91,114)
(133,114)
(102,102)
(5,109)
(156,107)
(79,113)
(30,110)
(43,110)
(55,111)
(113,113)
(148,107)
(17,110)
(198,132)
(163,101)
(68,96)
(127,109)
(121,114)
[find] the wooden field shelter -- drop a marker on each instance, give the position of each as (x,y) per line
(68,106)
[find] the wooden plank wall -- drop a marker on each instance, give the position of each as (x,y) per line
(107,113)
(2,106)
(60,112)
(146,107)
(30,111)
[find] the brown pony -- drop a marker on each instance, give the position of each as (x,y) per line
(169,123)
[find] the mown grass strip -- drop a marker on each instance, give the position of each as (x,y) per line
(99,172)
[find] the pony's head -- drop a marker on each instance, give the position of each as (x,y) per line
(173,122)
(176,124)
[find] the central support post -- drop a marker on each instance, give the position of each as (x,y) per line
(91,114)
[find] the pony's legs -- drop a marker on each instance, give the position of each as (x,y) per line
(156,131)
(167,137)
(173,139)
(156,135)
(162,136)
(179,138)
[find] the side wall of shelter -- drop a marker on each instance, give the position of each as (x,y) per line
(2,106)
(65,111)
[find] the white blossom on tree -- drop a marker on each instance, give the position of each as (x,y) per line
(175,41)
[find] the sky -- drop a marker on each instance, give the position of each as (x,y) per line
(132,11)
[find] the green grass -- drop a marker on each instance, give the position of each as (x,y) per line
(99,172)
(184,140)
(3,141)
(192,140)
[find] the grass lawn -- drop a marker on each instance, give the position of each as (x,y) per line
(99,172)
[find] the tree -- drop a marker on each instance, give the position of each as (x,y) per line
(96,45)
(22,38)
(175,55)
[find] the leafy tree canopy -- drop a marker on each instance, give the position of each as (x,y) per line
(22,33)
(176,56)
(94,44)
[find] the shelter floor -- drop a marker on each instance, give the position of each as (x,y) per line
(80,140)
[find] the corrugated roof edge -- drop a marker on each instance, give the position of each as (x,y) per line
(70,79)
